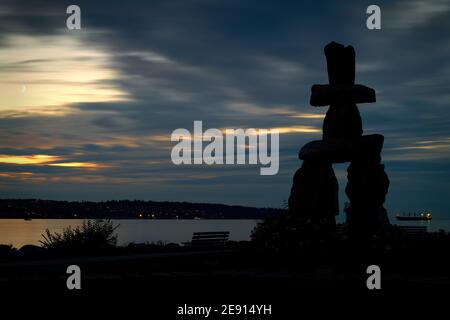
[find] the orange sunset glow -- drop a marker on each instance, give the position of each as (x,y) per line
(43,159)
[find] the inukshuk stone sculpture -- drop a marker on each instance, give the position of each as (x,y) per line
(314,194)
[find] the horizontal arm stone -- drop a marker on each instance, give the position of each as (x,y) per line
(366,148)
(326,94)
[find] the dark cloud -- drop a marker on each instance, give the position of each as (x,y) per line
(234,64)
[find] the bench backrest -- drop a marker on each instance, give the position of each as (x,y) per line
(210,238)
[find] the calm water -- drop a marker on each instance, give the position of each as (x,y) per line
(19,232)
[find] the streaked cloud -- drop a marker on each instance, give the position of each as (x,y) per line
(414,13)
(106,99)
(43,159)
(16,175)
(46,74)
(307,116)
(78,165)
(283,111)
(298,129)
(29,159)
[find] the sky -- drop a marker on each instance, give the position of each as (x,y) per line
(87,114)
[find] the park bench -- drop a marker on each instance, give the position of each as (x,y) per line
(208,239)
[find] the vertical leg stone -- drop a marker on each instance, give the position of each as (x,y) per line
(366,188)
(313,201)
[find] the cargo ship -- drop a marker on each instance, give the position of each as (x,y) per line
(421,216)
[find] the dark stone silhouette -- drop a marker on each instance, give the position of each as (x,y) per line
(366,188)
(314,194)
(338,151)
(325,94)
(342,119)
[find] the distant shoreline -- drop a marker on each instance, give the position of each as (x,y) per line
(114,218)
(127,209)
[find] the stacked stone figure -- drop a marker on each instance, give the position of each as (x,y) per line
(314,194)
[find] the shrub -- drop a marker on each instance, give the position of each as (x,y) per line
(91,236)
(7,252)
